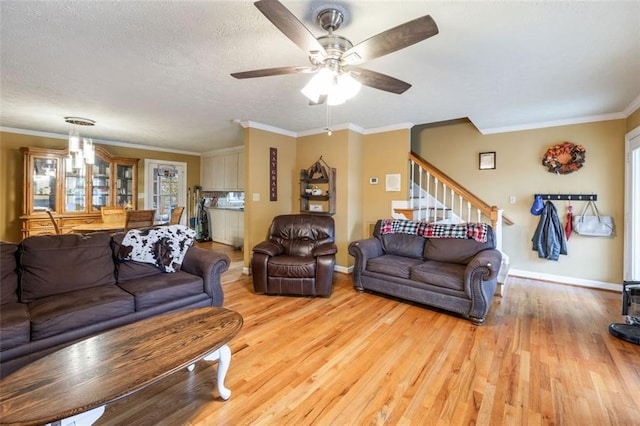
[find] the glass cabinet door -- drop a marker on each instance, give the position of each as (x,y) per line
(75,189)
(124,186)
(45,172)
(100,184)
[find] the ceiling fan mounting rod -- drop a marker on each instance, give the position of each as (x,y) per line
(330,19)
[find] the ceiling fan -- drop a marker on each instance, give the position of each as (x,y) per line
(334,57)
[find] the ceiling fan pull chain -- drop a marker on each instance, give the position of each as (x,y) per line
(328,120)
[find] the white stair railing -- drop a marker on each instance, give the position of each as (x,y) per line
(434,197)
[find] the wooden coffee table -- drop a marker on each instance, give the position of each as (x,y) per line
(79,380)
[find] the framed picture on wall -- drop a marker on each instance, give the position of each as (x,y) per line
(487,160)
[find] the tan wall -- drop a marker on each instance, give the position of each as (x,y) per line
(384,153)
(11,172)
(354,156)
(454,149)
(334,150)
(633,120)
(354,225)
(258,214)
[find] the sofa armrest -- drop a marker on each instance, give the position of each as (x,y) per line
(363,250)
(325,249)
(209,265)
(480,280)
(270,248)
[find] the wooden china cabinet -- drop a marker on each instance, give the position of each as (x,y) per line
(74,195)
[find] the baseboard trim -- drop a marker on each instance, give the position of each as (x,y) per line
(579,282)
(343,269)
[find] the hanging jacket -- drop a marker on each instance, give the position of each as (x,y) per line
(549,239)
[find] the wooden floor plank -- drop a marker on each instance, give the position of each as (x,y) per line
(544,356)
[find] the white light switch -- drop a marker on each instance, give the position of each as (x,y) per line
(512,199)
(256,196)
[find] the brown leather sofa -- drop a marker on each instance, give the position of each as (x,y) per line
(454,274)
(57,289)
(297,258)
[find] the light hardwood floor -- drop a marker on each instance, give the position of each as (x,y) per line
(544,356)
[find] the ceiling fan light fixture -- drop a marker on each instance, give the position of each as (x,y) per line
(319,85)
(338,88)
(347,85)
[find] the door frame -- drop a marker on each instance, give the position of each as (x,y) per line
(182,189)
(631,208)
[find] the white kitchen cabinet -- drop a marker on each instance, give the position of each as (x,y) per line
(217,173)
(241,170)
(232,230)
(217,225)
(231,171)
(227,226)
(223,170)
(206,172)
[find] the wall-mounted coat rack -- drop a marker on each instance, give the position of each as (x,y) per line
(569,197)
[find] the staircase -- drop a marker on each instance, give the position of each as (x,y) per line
(435,197)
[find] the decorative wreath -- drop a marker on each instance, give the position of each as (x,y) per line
(564,158)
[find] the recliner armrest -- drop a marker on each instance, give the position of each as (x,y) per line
(325,249)
(270,248)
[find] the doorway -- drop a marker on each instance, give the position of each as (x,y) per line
(632,206)
(165,188)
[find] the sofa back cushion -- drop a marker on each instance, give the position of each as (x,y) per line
(407,245)
(130,269)
(54,264)
(8,274)
(457,250)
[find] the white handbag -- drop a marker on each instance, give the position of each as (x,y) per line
(593,226)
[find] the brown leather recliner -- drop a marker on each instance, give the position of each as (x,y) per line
(297,258)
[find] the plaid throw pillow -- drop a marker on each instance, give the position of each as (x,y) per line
(475,231)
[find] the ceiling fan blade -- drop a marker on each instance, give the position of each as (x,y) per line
(379,81)
(389,41)
(268,72)
(290,26)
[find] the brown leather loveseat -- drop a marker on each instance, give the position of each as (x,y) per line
(297,258)
(57,289)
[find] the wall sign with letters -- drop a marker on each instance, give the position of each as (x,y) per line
(273,174)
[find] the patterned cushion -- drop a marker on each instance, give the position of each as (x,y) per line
(163,246)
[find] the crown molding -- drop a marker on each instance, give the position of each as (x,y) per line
(267,128)
(632,107)
(222,151)
(390,128)
(557,123)
(317,131)
(334,128)
(97,141)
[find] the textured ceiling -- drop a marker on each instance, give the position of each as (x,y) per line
(157,72)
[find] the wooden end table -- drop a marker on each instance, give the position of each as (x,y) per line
(101,369)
